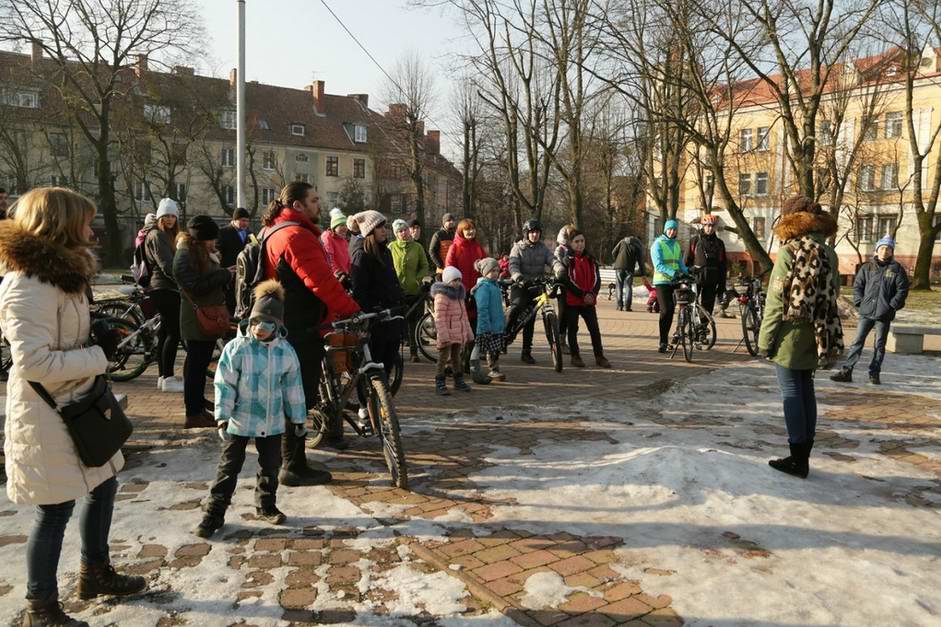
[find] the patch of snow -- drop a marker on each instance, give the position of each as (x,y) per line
(545,590)
(439,594)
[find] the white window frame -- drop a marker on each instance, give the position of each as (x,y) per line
(228,119)
(889,177)
(360,133)
(893,124)
(20,98)
(864,228)
(744,184)
(180,192)
(268,160)
(227,158)
(157,114)
(889,222)
(761,177)
(298,130)
(140,191)
(745,140)
(867,178)
(764,138)
(229,192)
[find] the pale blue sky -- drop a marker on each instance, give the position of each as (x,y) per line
(292,42)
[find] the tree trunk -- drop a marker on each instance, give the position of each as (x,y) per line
(107,203)
(921,277)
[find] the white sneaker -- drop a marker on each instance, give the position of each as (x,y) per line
(160,383)
(172,385)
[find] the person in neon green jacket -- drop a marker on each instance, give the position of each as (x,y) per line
(411,266)
(667,256)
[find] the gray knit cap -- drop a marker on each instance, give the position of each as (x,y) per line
(269,302)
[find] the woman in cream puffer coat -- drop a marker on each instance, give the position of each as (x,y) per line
(44,316)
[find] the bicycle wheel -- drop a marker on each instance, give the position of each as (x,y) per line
(688,334)
(214,360)
(131,360)
(317,425)
(122,310)
(398,371)
(750,330)
(426,337)
(553,337)
(386,423)
(6,357)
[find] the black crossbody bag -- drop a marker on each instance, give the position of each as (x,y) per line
(95,420)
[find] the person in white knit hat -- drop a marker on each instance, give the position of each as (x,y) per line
(159,250)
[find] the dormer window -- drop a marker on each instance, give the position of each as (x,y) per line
(298,130)
(359,134)
(23,98)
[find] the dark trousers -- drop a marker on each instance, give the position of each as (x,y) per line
(310,355)
(707,295)
(667,308)
(412,320)
(590,315)
(45,539)
(520,298)
(167,303)
(230,465)
(800,403)
(878,352)
(198,358)
(625,283)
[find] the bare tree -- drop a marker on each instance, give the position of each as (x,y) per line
(410,93)
(90,45)
(468,112)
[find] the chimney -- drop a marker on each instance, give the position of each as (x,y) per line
(397,111)
(36,54)
(182,70)
(317,93)
(363,99)
(433,142)
(140,67)
(421,127)
(233,78)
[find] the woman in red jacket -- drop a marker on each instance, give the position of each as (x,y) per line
(464,252)
(582,279)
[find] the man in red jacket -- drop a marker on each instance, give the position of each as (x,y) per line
(313,296)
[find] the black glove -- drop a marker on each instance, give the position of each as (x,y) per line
(105,336)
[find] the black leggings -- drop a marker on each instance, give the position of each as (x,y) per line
(198,358)
(707,296)
(168,339)
(590,315)
(667,307)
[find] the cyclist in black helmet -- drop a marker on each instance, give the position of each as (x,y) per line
(530,258)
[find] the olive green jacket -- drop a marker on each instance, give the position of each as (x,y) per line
(793,344)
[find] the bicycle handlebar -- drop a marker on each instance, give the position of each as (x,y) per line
(385,315)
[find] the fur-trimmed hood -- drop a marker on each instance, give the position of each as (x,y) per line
(70,270)
(802,223)
(454,293)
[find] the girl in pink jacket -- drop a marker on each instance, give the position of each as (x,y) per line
(453,328)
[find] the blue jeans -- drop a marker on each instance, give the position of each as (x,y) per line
(625,283)
(800,403)
(45,539)
(878,353)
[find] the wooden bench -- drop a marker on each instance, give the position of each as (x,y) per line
(608,280)
(909,339)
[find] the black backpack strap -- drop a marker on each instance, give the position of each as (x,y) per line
(262,245)
(44,395)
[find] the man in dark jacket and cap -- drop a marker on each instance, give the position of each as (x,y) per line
(441,241)
(628,255)
(879,292)
(233,237)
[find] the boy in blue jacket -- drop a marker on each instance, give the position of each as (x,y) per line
(491,322)
(258,385)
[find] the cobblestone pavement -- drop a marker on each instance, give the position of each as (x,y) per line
(362,552)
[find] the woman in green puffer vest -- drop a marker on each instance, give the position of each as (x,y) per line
(411,266)
(787,337)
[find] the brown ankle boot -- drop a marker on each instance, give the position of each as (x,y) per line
(49,613)
(199,421)
(101,579)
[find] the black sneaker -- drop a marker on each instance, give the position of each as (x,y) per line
(209,525)
(271,515)
(527,358)
(306,477)
(662,349)
(874,379)
(843,376)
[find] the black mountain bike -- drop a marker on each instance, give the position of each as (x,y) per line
(695,327)
(751,302)
(367,379)
(543,291)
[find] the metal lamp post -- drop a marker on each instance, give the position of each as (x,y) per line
(240,109)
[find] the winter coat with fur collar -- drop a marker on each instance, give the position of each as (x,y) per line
(44,316)
(451,321)
(792,344)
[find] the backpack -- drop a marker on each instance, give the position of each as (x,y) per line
(140,269)
(250,270)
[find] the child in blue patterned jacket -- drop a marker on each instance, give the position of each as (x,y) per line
(258,385)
